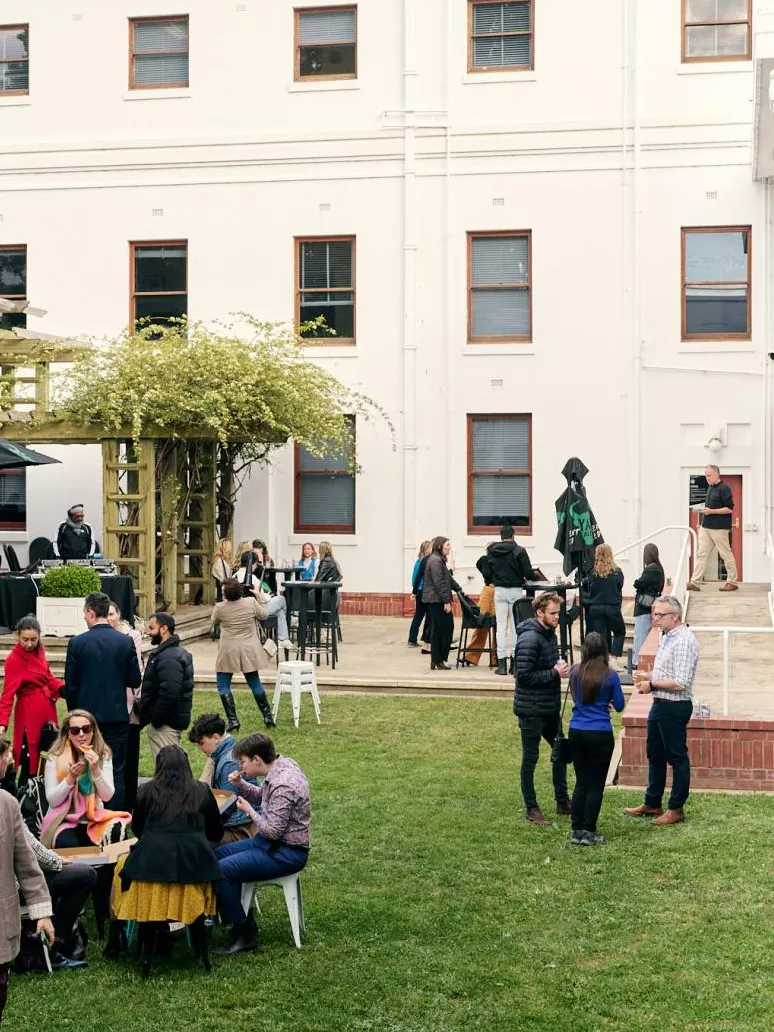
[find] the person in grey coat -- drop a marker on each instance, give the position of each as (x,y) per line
(437,596)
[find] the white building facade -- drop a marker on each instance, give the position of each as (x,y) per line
(541,230)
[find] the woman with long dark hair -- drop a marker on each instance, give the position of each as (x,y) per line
(437,596)
(420,610)
(594,688)
(649,585)
(603,598)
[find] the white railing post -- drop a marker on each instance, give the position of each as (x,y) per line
(726,690)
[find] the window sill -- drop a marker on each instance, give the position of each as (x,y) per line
(716,347)
(475,540)
(160,94)
(340,351)
(479,78)
(14,537)
(499,349)
(16,100)
(323,87)
(716,67)
(336,539)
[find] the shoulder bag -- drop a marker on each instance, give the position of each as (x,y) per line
(561,751)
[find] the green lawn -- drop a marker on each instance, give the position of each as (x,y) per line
(432,905)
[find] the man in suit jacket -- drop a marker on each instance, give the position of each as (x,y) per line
(100,665)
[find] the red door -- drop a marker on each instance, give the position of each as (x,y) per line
(715,569)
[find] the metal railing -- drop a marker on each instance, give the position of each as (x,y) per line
(681,577)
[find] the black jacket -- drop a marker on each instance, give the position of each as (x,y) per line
(649,582)
(538,686)
(72,544)
(718,497)
(100,665)
(438,580)
(603,591)
(175,850)
(167,688)
(509,564)
(328,570)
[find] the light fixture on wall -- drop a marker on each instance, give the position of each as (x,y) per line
(715,442)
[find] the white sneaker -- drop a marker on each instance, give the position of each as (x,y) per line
(286,643)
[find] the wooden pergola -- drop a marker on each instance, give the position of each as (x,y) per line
(159,509)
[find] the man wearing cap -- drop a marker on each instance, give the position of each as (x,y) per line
(74,539)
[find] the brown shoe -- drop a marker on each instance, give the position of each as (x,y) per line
(643,811)
(534,816)
(670,817)
(728,586)
(693,587)
(564,809)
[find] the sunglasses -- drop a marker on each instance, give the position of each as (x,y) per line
(81,729)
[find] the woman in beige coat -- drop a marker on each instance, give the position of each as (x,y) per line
(240,649)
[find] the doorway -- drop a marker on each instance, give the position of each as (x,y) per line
(716,569)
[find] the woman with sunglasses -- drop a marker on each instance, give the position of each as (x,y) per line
(79,778)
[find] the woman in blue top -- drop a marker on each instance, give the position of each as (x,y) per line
(420,609)
(308,561)
(595,688)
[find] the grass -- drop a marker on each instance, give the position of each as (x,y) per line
(432,906)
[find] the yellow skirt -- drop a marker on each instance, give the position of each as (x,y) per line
(161,901)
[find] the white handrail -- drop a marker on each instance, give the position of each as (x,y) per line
(727,631)
(649,537)
(770,554)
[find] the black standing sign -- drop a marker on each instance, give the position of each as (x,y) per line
(697,492)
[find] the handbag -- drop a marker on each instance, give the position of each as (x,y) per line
(561,750)
(646,601)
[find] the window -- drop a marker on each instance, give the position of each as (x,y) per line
(716,284)
(500,36)
(326,46)
(325,489)
(159,281)
(158,50)
(14,59)
(499,473)
(325,286)
(13,499)
(499,295)
(717,30)
(13,283)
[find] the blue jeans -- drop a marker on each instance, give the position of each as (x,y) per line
(642,625)
(251,860)
(420,612)
(223,681)
(667,742)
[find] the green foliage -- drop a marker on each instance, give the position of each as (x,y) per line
(70,582)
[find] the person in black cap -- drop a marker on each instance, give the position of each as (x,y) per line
(74,539)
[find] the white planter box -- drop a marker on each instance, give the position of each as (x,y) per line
(62,617)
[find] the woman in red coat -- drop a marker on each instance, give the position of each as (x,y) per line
(29,680)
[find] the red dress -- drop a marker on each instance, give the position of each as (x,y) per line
(28,678)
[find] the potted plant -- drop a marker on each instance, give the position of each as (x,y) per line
(60,602)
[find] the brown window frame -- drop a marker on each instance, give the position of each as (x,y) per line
(496,338)
(315,528)
(489,530)
(133,293)
(684,335)
(151,53)
(297,12)
(474,69)
(325,341)
(747,56)
(17,93)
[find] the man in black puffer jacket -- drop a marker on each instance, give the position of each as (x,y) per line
(537,700)
(167,689)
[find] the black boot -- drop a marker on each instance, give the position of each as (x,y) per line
(265,708)
(231,714)
(502,667)
(510,666)
(243,937)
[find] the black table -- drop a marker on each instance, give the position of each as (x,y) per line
(318,602)
(532,588)
(18,597)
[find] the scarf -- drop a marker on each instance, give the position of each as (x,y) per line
(79,528)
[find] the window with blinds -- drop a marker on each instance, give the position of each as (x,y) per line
(325,289)
(159,282)
(159,53)
(325,489)
(717,283)
(499,473)
(13,283)
(717,30)
(500,35)
(13,499)
(499,295)
(14,59)
(326,43)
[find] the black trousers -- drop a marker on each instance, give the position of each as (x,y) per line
(441,632)
(4,969)
(591,753)
(420,614)
(69,889)
(532,730)
(608,622)
(116,738)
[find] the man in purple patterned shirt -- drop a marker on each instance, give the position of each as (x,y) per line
(281,810)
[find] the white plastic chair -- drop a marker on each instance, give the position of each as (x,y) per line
(294,678)
(291,886)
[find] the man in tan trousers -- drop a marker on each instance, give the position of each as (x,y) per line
(714,531)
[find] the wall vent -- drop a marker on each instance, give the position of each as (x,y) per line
(241,8)
(496,384)
(325,206)
(77,17)
(498,202)
(157,212)
(711,195)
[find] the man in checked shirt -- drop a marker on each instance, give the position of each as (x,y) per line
(280,808)
(670,681)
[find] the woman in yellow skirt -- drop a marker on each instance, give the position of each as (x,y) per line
(168,875)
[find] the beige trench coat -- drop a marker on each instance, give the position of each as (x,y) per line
(239,649)
(17,859)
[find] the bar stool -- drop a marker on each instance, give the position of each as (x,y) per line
(294,678)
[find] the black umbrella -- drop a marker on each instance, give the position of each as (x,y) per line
(14,456)
(578,533)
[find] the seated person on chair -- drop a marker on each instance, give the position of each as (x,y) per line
(209,733)
(69,885)
(275,604)
(74,539)
(281,846)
